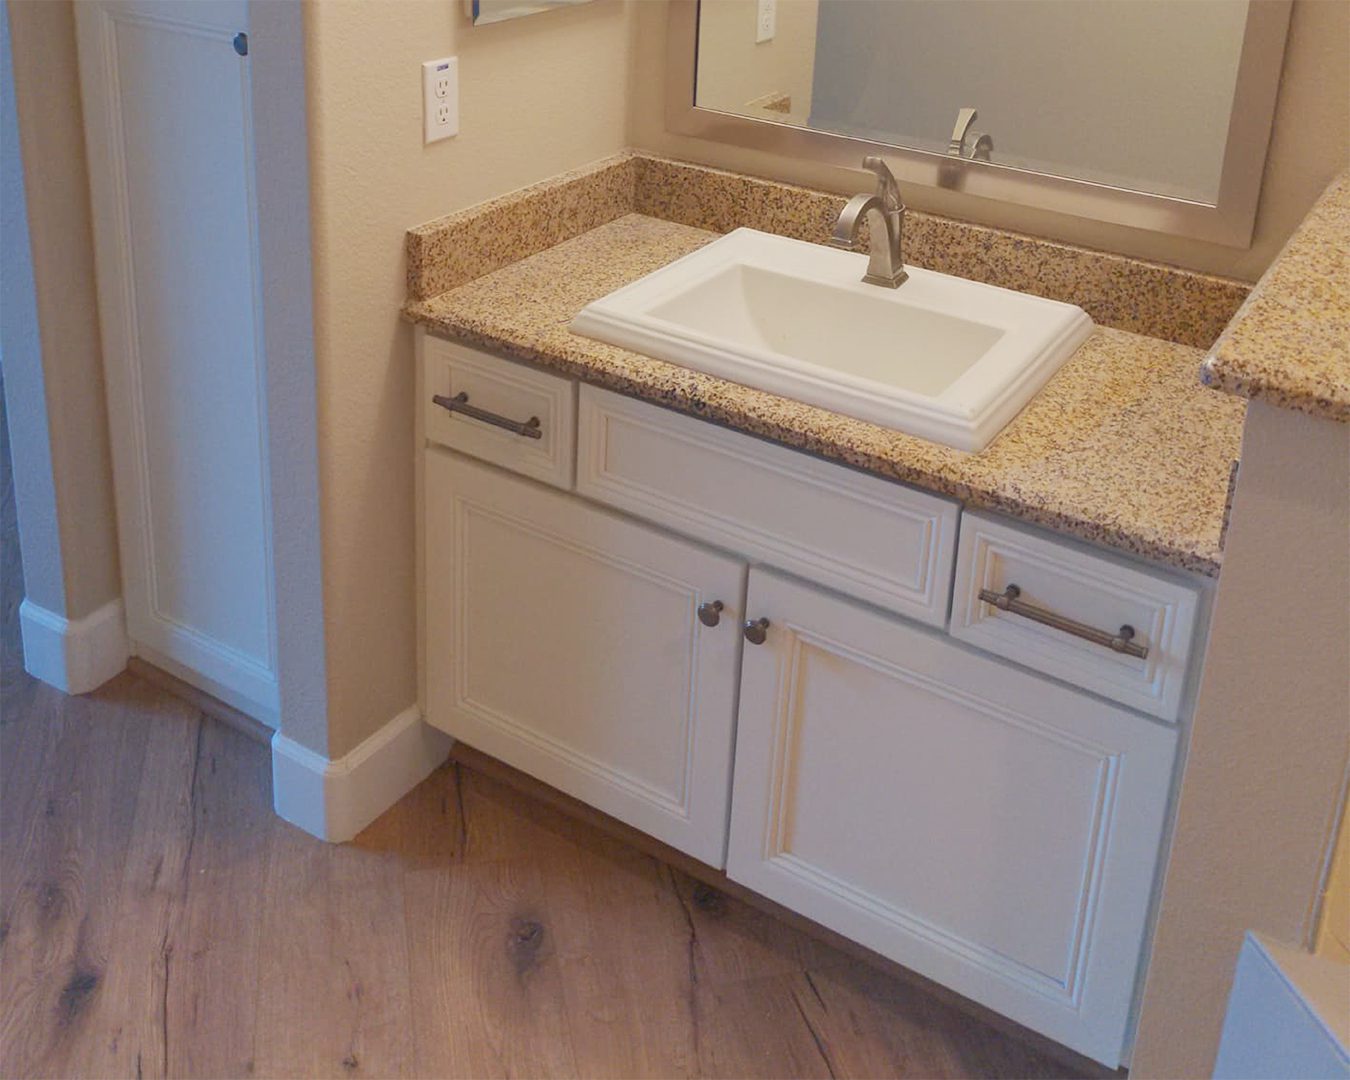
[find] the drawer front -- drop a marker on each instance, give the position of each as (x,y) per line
(504,389)
(878,541)
(1096,592)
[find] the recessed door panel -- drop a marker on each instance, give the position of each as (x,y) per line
(993,831)
(568,642)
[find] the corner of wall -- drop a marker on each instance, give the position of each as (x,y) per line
(282,168)
(46,100)
(335,799)
(74,655)
(539,96)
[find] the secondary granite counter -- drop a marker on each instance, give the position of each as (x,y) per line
(1290,342)
(1122,448)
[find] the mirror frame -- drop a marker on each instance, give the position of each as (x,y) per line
(1229,221)
(501,10)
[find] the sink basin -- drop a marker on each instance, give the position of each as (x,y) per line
(940,357)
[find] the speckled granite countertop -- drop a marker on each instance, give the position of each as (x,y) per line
(1122,448)
(1290,342)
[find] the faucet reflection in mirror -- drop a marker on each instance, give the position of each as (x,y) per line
(981,142)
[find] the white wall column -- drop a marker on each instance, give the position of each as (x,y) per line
(1263,783)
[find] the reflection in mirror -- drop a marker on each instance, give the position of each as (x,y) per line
(1135,94)
(491,11)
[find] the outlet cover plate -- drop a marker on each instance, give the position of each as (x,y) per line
(766,21)
(440,99)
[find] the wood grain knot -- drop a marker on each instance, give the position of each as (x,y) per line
(75,995)
(525,943)
(706,898)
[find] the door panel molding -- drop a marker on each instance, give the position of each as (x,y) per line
(676,803)
(995,832)
(565,640)
(1065,988)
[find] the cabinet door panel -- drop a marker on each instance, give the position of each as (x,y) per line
(989,829)
(566,641)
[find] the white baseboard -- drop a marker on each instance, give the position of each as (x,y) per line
(74,655)
(335,800)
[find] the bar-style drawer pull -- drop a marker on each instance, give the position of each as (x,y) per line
(460,404)
(1122,641)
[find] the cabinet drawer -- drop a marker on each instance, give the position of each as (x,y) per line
(1099,593)
(881,542)
(508,390)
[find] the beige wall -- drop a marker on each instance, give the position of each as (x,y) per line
(1263,781)
(735,70)
(538,95)
(21,355)
(1308,147)
(81,549)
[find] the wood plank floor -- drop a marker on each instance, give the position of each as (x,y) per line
(157,920)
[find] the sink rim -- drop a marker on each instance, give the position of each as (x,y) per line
(965,416)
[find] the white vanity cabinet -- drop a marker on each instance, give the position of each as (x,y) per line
(969,815)
(978,824)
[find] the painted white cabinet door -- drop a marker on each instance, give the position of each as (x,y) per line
(169,131)
(991,830)
(566,641)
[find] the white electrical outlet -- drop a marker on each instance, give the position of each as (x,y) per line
(440,99)
(766,21)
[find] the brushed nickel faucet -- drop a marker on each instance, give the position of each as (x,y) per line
(885,214)
(981,145)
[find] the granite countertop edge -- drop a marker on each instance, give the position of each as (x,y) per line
(1289,343)
(1122,448)
(511,312)
(1093,530)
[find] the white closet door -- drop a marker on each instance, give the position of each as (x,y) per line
(168,127)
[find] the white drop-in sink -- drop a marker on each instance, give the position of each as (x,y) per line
(940,357)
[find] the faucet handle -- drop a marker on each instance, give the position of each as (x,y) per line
(887,188)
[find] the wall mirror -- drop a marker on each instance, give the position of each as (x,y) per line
(1150,113)
(481,12)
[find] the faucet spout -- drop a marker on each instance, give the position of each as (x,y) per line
(845,234)
(884,213)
